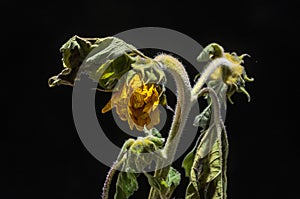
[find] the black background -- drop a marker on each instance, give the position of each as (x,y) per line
(42,154)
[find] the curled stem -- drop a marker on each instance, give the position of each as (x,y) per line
(216,107)
(213,65)
(178,72)
(186,97)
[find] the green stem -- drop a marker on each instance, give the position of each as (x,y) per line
(186,97)
(109,177)
(213,65)
(117,164)
(177,70)
(216,107)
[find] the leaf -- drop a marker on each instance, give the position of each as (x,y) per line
(188,163)
(137,160)
(192,192)
(173,178)
(210,52)
(126,185)
(111,71)
(208,172)
(149,70)
(165,187)
(73,52)
(143,151)
(203,118)
(152,132)
(155,182)
(105,59)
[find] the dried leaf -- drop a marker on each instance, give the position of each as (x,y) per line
(206,165)
(104,60)
(208,172)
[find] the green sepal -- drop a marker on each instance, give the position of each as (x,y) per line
(210,52)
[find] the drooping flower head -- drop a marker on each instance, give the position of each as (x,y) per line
(138,96)
(137,103)
(234,77)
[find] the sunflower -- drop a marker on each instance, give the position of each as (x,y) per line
(136,103)
(235,77)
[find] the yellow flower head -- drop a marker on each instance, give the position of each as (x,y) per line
(235,76)
(137,103)
(230,76)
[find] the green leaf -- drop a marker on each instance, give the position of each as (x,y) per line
(107,75)
(126,185)
(203,118)
(173,178)
(152,132)
(210,52)
(149,70)
(155,182)
(73,52)
(208,172)
(192,192)
(144,150)
(165,187)
(188,163)
(105,59)
(111,71)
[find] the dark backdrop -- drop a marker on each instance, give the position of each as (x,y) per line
(43,156)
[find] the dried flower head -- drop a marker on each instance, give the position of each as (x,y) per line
(136,103)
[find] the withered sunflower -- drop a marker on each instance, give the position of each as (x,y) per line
(136,103)
(235,77)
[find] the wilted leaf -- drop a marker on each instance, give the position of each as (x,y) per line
(74,51)
(192,192)
(143,151)
(154,182)
(126,185)
(208,172)
(173,178)
(111,71)
(188,163)
(105,59)
(165,187)
(203,118)
(149,71)
(210,52)
(136,160)
(208,169)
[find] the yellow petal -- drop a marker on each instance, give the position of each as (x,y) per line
(107,107)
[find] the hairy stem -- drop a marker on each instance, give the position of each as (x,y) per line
(177,70)
(213,65)
(109,177)
(120,160)
(216,107)
(186,97)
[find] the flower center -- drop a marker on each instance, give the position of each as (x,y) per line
(142,102)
